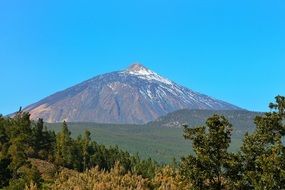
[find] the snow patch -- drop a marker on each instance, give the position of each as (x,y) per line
(147,74)
(149,94)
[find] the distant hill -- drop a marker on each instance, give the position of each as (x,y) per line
(242,120)
(136,95)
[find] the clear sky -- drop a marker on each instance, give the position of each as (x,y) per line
(230,50)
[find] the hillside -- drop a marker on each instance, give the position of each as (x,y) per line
(161,140)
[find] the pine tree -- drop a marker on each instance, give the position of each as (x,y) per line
(42,141)
(38,137)
(15,153)
(86,149)
(64,145)
(19,133)
(5,172)
(207,169)
(263,153)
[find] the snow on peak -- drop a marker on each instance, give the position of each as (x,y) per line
(144,73)
(138,69)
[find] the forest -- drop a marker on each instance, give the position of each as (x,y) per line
(33,157)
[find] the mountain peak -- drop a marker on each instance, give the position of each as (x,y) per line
(136,67)
(139,69)
(145,73)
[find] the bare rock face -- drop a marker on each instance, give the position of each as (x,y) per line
(136,95)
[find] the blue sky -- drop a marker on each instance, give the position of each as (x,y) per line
(230,50)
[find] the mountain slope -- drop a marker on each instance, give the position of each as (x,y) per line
(135,95)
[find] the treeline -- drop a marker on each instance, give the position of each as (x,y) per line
(21,140)
(84,164)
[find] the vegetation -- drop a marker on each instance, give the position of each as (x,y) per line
(160,143)
(166,178)
(260,164)
(21,140)
(263,153)
(31,158)
(209,168)
(162,140)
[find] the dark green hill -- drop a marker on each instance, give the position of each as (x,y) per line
(242,120)
(160,139)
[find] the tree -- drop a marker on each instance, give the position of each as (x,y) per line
(64,145)
(86,149)
(5,172)
(15,147)
(207,169)
(19,132)
(263,153)
(42,141)
(38,137)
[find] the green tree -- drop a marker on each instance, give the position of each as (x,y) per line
(19,132)
(5,172)
(145,168)
(37,138)
(86,149)
(263,153)
(43,141)
(208,168)
(15,147)
(64,146)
